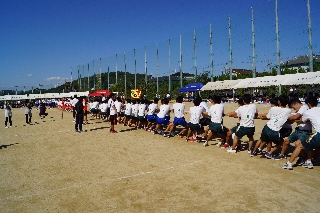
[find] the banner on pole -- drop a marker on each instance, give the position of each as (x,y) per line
(136,93)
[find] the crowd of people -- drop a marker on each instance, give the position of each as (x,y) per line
(206,123)
(28,112)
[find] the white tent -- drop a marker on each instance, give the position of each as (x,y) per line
(5,98)
(19,97)
(316,80)
(36,96)
(268,81)
(51,95)
(211,85)
(245,83)
(227,84)
(65,95)
(79,93)
(300,78)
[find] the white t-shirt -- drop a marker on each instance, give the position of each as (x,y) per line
(152,109)
(204,105)
(135,109)
(7,111)
(313,115)
(246,113)
(103,107)
(305,126)
(74,101)
(195,113)
(118,105)
(111,105)
(215,112)
(128,109)
(278,116)
(178,109)
(164,110)
(142,109)
(94,105)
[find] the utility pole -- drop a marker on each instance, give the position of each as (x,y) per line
(169,74)
(230,49)
(310,38)
(211,59)
(253,47)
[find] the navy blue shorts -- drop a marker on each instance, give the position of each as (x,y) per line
(299,135)
(194,126)
(268,135)
(312,142)
(242,131)
(216,128)
(113,119)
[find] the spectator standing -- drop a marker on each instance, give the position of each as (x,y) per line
(78,109)
(28,113)
(73,103)
(8,114)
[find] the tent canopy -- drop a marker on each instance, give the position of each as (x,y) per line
(227,84)
(267,81)
(245,83)
(100,93)
(300,78)
(211,85)
(192,87)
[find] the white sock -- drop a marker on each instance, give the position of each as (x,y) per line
(289,163)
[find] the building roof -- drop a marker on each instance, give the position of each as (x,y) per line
(241,71)
(300,60)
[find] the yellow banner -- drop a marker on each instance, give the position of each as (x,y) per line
(136,93)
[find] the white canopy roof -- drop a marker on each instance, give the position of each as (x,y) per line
(19,97)
(245,83)
(36,96)
(51,95)
(267,81)
(5,98)
(300,78)
(79,93)
(211,85)
(316,80)
(227,84)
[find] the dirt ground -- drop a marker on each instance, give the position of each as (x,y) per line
(47,167)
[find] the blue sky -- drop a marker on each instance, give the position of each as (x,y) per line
(42,39)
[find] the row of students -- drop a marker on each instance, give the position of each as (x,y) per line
(277,130)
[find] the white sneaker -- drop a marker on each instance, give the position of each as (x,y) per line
(6,127)
(231,150)
(287,166)
(219,144)
(205,144)
(308,165)
(10,126)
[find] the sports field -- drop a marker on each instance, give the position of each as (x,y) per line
(47,167)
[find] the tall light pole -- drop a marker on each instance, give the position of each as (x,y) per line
(211,59)
(278,45)
(310,38)
(230,50)
(253,47)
